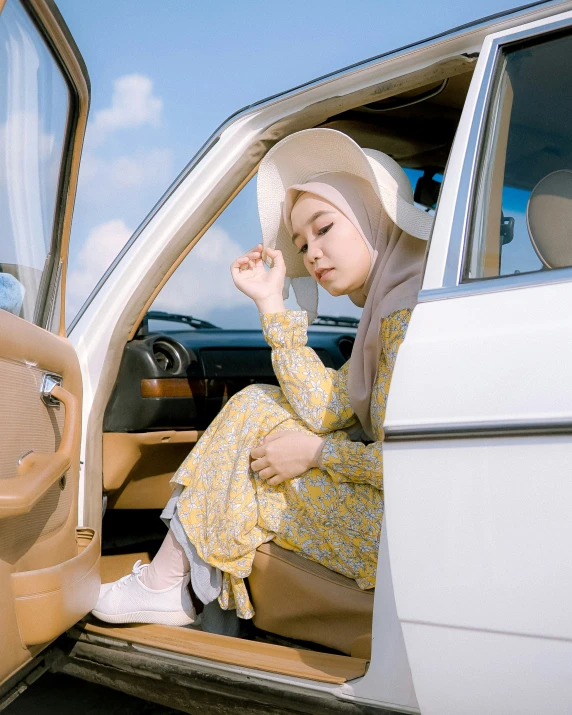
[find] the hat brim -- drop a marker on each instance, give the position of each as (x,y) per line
(305,155)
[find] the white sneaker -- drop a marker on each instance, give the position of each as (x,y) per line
(130,601)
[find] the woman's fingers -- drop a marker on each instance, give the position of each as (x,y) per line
(273,253)
(267,473)
(254,255)
(259,464)
(258,452)
(274,481)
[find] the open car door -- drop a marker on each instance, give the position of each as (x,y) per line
(49,568)
(477,461)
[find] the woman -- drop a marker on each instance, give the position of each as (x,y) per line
(300,464)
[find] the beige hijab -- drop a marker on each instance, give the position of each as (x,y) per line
(394,278)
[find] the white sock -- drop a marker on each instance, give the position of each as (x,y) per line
(168,567)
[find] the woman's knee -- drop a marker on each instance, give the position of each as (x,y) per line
(258,392)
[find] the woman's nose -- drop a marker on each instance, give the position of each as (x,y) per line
(314,253)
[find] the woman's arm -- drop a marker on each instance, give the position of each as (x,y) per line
(318,394)
(355,461)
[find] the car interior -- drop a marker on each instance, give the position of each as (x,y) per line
(310,622)
(172,383)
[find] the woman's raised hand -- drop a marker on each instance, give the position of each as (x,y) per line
(263,285)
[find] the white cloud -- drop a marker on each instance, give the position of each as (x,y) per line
(203,282)
(102,245)
(102,178)
(133,104)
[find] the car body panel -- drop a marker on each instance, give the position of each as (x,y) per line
(476,465)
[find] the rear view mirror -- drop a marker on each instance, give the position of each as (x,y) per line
(427,189)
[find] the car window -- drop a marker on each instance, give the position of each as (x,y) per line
(523,208)
(34,102)
(202,285)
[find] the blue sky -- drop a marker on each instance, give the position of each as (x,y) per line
(165,75)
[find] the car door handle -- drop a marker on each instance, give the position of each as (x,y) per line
(38,472)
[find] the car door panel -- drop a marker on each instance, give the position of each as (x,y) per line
(49,566)
(46,586)
(478,430)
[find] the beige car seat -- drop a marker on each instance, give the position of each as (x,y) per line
(298,598)
(549,219)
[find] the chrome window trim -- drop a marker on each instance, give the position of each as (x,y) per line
(477,430)
(273,99)
(460,226)
(497,285)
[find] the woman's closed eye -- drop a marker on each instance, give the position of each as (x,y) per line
(322,231)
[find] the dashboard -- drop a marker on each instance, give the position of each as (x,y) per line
(180,379)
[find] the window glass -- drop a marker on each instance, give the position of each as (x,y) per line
(202,286)
(523,207)
(34,103)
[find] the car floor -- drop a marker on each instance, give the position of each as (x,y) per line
(131,535)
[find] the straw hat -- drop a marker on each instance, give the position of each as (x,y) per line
(302,157)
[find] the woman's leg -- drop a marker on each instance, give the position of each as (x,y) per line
(218,505)
(169,566)
(155,593)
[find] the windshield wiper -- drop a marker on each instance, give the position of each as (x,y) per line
(339,321)
(173,318)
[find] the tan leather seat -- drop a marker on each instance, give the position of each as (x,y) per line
(548,215)
(300,599)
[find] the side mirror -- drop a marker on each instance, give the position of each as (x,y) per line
(506,229)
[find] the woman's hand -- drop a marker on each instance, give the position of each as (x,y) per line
(263,285)
(285,455)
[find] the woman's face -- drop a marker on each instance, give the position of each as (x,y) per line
(335,254)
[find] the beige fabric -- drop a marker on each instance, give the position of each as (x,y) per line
(394,277)
(303,157)
(298,598)
(549,217)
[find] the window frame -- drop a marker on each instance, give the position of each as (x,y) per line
(42,15)
(482,125)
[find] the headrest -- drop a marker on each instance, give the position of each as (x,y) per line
(549,219)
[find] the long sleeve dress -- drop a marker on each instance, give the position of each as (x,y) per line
(331,514)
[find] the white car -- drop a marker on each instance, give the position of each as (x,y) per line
(472,612)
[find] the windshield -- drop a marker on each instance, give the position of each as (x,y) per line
(202,285)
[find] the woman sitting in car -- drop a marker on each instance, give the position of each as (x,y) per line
(300,464)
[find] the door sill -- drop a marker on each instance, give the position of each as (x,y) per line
(293,662)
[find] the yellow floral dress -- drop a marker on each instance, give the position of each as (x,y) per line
(331,515)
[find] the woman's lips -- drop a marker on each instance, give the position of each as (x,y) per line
(321,274)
